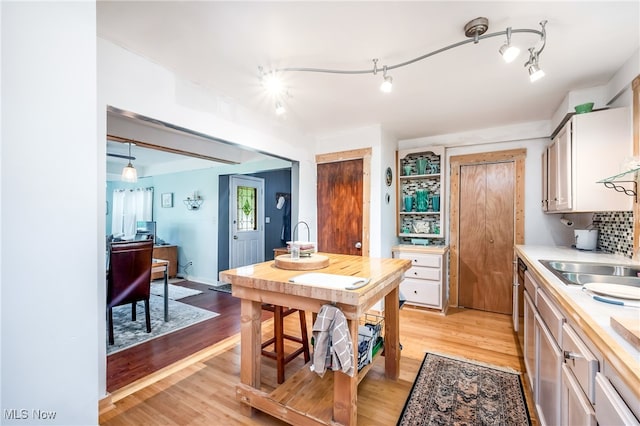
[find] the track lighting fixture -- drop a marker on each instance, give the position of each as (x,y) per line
(474,30)
(387,83)
(129,173)
(508,51)
(535,73)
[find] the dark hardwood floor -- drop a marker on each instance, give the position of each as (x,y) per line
(131,364)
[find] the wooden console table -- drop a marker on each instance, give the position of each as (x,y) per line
(170,254)
(305,398)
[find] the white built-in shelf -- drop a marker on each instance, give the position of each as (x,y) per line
(435,175)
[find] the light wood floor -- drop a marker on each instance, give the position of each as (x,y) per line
(201,389)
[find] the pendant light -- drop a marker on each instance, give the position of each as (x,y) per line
(129,173)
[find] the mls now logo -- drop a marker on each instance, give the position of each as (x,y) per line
(23,414)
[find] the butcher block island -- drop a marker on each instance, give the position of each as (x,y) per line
(351,283)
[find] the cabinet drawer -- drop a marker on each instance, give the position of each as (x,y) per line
(579,359)
(421,292)
(611,410)
(551,316)
(420,259)
(422,273)
(530,286)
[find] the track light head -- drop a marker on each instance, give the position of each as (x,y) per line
(535,73)
(273,83)
(387,85)
(508,51)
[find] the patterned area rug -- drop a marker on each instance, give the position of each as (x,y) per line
(176,292)
(129,333)
(448,391)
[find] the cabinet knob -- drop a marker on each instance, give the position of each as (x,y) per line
(491,241)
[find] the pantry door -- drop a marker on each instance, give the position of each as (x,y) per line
(486,236)
(343,202)
(487,219)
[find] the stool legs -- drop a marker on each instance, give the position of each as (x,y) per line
(279,314)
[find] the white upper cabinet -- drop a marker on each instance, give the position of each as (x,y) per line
(588,148)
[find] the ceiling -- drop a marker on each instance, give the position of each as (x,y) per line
(220,45)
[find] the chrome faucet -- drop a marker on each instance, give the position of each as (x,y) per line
(295,228)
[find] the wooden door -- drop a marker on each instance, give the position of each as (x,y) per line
(340,206)
(486,236)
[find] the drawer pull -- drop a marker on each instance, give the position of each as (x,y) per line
(572,356)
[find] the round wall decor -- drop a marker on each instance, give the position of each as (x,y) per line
(388,176)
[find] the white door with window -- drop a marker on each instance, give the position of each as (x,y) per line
(246,214)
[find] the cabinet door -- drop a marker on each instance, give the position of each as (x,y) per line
(564,175)
(545,180)
(559,174)
(530,342)
(576,409)
(548,377)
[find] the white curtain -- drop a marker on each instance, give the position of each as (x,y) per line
(130,206)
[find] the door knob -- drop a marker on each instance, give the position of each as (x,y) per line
(235,237)
(358,245)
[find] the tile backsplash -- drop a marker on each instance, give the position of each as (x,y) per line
(615,232)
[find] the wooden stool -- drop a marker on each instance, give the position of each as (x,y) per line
(279,313)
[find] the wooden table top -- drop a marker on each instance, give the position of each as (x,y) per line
(254,281)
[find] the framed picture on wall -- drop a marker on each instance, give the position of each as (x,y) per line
(167,199)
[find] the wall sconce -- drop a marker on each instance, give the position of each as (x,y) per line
(193,201)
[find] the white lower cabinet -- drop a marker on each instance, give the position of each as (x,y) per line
(424,283)
(576,408)
(530,348)
(548,377)
(611,410)
(571,382)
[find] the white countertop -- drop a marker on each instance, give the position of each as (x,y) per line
(589,311)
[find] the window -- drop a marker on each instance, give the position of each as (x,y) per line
(247,212)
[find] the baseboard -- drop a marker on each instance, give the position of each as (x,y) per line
(105,404)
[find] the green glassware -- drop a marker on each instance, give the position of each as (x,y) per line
(421,163)
(408,203)
(421,200)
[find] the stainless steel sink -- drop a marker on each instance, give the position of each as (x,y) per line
(581,279)
(592,268)
(579,273)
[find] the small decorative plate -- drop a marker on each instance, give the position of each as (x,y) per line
(388,176)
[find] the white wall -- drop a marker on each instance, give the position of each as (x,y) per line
(132,83)
(381,157)
(49,227)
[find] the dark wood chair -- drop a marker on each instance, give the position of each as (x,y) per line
(129,278)
(279,335)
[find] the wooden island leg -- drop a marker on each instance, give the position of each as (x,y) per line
(392,334)
(250,347)
(345,388)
